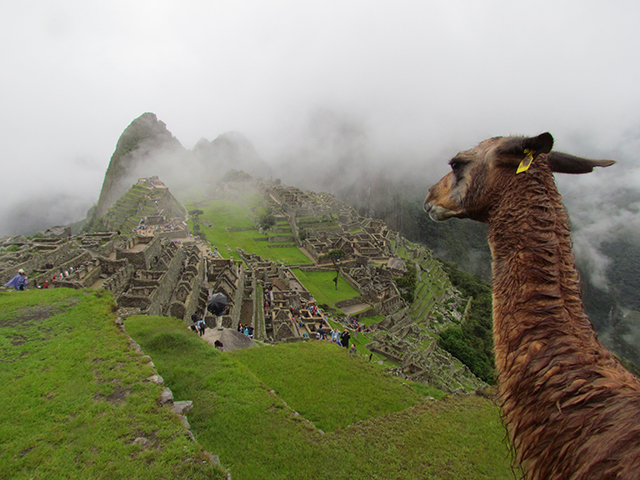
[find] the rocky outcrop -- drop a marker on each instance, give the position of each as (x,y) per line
(146,149)
(143,145)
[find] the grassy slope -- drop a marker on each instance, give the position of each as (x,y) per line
(323,379)
(257,435)
(225,214)
(234,415)
(75,398)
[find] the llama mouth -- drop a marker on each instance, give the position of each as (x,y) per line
(437,213)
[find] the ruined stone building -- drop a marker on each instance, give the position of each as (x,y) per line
(156,268)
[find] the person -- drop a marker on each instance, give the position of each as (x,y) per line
(344,338)
(335,336)
(353,348)
(19,282)
(202,326)
(218,344)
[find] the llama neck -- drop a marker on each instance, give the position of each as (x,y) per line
(535,282)
(554,375)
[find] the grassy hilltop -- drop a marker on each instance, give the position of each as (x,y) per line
(80,404)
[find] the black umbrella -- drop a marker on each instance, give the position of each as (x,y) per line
(217,303)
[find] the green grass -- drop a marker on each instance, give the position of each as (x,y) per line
(371,320)
(322,287)
(370,434)
(453,439)
(75,395)
(234,414)
(322,378)
(225,214)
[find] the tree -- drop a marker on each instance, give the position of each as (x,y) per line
(407,283)
(335,255)
(267,220)
(195,213)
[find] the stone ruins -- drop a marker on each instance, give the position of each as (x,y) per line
(153,266)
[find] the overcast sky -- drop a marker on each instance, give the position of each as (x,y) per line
(420,79)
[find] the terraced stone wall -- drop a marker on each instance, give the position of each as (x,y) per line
(142,259)
(40,261)
(167,282)
(120,279)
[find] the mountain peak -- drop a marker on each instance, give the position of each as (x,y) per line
(145,137)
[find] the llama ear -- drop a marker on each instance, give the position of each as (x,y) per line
(565,163)
(522,150)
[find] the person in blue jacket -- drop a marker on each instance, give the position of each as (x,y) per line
(19,282)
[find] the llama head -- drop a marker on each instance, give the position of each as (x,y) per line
(479,177)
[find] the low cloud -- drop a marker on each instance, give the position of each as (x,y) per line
(40,212)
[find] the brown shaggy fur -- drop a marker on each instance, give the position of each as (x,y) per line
(571,410)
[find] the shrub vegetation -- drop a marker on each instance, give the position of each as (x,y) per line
(472,342)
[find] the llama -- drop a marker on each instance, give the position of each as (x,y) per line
(571,410)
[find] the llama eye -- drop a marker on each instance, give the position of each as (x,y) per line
(456,167)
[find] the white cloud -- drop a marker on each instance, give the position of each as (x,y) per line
(424,79)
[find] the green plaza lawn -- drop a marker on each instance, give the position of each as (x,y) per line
(226,215)
(323,288)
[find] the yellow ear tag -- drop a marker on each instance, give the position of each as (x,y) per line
(526,161)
